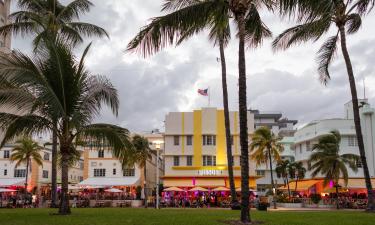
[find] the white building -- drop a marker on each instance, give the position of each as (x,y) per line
(308,135)
(5,41)
(39,177)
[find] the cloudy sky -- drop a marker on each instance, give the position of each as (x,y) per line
(168,81)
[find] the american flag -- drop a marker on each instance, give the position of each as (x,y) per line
(203,92)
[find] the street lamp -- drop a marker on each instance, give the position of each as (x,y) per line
(157,174)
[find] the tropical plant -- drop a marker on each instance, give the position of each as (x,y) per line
(316,18)
(326,161)
(49,20)
(297,172)
(189,17)
(25,151)
(282,171)
(265,148)
(142,153)
(59,86)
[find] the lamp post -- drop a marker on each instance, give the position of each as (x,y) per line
(157,175)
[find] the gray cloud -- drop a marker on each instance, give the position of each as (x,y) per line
(150,88)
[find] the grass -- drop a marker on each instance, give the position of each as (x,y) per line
(118,216)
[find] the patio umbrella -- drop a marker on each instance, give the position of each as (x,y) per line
(113,190)
(198,189)
(173,189)
(2,190)
(221,189)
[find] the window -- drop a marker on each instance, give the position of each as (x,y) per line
(176,160)
(20,173)
(45,174)
(46,156)
(359,163)
(261,173)
(176,140)
(189,160)
(308,146)
(231,140)
(308,165)
(81,165)
(129,172)
(209,160)
(352,141)
(6,154)
(209,140)
(114,171)
(300,149)
(101,154)
(99,172)
(189,140)
(5,172)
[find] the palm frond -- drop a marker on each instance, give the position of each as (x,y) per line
(325,56)
(74,9)
(256,30)
(173,5)
(353,23)
(365,6)
(88,29)
(302,33)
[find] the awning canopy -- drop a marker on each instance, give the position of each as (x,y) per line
(356,183)
(302,185)
(6,182)
(109,181)
(6,190)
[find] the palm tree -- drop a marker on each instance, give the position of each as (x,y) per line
(192,16)
(61,88)
(142,153)
(25,151)
(49,20)
(297,172)
(327,161)
(266,148)
(316,19)
(282,171)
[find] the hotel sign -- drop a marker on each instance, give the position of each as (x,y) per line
(210,172)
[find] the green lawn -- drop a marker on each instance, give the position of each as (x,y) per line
(118,216)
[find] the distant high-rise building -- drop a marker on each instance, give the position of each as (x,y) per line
(5,40)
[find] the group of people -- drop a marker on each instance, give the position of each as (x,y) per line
(20,201)
(347,200)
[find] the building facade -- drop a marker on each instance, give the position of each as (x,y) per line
(195,149)
(39,177)
(5,41)
(309,135)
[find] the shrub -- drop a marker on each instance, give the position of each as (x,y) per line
(315,198)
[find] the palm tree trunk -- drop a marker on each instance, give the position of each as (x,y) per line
(287,180)
(54,171)
(272,183)
(357,121)
(27,174)
(145,184)
(295,188)
(64,202)
(244,136)
(227,122)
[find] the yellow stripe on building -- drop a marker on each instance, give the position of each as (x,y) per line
(197,142)
(235,136)
(221,156)
(183,133)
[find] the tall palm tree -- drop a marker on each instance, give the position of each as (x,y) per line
(297,172)
(142,153)
(25,151)
(265,148)
(327,161)
(317,17)
(192,16)
(48,20)
(61,88)
(282,171)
